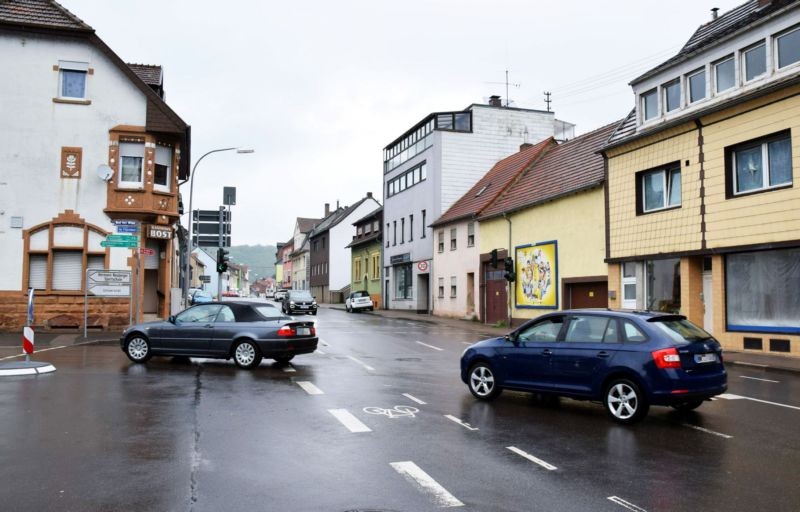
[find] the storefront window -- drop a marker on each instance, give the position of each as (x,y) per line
(663,278)
(402,279)
(761,291)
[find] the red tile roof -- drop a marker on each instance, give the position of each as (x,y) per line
(150,74)
(40,13)
(493,183)
(567,168)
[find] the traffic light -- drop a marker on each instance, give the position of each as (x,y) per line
(510,274)
(493,261)
(222,260)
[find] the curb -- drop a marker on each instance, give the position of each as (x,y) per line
(25,368)
(376,313)
(762,366)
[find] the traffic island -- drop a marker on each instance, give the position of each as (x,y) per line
(25,368)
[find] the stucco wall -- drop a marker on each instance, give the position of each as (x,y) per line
(341,235)
(458,264)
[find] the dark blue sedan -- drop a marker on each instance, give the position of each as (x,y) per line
(627,360)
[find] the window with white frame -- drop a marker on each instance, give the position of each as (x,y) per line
(441,241)
(660,188)
(72,79)
(441,287)
(788,46)
(629,285)
(649,105)
(754,62)
(131,161)
(453,239)
(697,86)
(672,96)
(471,234)
(452,287)
(761,164)
(725,74)
(162,169)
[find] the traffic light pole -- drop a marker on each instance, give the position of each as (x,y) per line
(220,255)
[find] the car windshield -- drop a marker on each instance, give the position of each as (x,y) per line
(300,295)
(680,330)
(360,294)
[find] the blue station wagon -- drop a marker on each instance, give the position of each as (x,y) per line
(627,360)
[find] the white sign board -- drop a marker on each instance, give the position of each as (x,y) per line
(102,290)
(108,283)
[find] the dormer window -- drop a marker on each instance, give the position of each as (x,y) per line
(755,62)
(697,86)
(650,105)
(672,96)
(725,75)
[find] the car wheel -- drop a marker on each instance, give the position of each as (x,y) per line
(482,382)
(138,348)
(347,309)
(283,360)
(687,406)
(246,354)
(625,402)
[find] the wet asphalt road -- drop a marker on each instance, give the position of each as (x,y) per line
(104,434)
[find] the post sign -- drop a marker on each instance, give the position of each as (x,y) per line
(211,228)
(205,279)
(108,283)
(159,232)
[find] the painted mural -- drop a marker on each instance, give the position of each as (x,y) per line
(537,275)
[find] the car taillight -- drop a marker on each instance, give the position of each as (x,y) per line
(667,358)
(313,331)
(286,332)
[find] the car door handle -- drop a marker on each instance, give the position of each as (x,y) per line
(547,352)
(603,353)
(208,326)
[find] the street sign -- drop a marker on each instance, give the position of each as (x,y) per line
(102,290)
(122,238)
(129,245)
(119,222)
(108,283)
(228,196)
(210,241)
(205,279)
(212,229)
(127,229)
(147,251)
(210,215)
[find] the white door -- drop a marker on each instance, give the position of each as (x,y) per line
(708,304)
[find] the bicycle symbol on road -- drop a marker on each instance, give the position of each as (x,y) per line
(398,411)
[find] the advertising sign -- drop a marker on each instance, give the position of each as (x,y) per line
(537,275)
(160,232)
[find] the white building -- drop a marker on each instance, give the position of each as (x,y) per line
(428,168)
(70,105)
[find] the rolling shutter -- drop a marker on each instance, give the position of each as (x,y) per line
(37,271)
(67,270)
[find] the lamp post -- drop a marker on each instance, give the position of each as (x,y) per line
(189,240)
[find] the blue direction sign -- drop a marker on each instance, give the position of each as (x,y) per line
(127,229)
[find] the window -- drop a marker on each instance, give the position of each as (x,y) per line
(441,287)
(72,79)
(456,121)
(357,269)
(724,73)
(650,105)
(471,234)
(755,62)
(441,241)
(408,147)
(376,265)
(632,333)
(661,189)
(424,230)
(403,230)
(629,285)
(323,242)
(376,226)
(402,279)
(410,228)
(452,287)
(453,234)
(360,230)
(761,291)
(697,86)
(591,329)
(225,315)
(387,234)
(394,238)
(406,180)
(760,165)
(131,159)
(544,330)
(663,285)
(162,168)
(444,122)
(788,48)
(672,95)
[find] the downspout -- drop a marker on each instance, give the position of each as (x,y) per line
(701,160)
(510,288)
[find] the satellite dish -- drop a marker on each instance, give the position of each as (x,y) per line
(105,172)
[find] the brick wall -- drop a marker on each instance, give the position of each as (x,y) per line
(62,311)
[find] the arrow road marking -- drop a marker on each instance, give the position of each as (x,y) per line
(531,458)
(463,424)
(352,423)
(626,504)
(426,484)
(309,388)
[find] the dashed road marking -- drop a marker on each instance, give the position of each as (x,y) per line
(426,484)
(414,399)
(309,388)
(756,378)
(347,419)
(531,458)
(707,431)
(430,346)
(630,506)
(362,363)
(462,423)
(730,396)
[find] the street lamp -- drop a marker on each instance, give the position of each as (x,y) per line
(191,193)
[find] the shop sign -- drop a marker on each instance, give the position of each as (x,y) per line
(159,232)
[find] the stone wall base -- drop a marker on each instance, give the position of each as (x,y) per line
(53,312)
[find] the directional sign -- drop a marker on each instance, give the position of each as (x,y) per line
(108,283)
(205,279)
(126,222)
(130,245)
(103,290)
(127,229)
(122,238)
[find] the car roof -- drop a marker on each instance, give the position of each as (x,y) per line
(623,313)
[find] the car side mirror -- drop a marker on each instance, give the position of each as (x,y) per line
(171,319)
(512,337)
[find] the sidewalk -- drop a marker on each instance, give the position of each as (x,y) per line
(751,359)
(51,339)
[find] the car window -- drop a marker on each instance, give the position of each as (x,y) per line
(586,329)
(268,312)
(612,334)
(225,315)
(545,330)
(198,314)
(300,295)
(680,330)
(356,295)
(632,333)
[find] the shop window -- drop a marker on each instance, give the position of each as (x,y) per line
(663,285)
(759,165)
(402,279)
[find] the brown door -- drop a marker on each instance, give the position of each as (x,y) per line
(496,296)
(587,295)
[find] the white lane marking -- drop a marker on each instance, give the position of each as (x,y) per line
(462,423)
(742,363)
(627,504)
(414,399)
(531,458)
(347,419)
(36,352)
(756,378)
(321,352)
(707,431)
(430,346)
(289,368)
(426,484)
(309,388)
(730,396)
(324,343)
(362,363)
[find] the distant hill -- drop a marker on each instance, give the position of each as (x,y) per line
(259,259)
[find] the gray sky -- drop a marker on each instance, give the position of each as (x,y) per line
(318,88)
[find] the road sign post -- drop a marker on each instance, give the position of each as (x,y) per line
(106,283)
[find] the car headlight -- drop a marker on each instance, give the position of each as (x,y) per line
(314,303)
(291,303)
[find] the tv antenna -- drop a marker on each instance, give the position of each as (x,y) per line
(547,99)
(507,84)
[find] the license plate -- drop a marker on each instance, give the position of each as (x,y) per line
(303,307)
(303,331)
(705,358)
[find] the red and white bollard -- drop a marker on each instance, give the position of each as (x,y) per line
(27,341)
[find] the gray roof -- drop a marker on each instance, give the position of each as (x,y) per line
(336,217)
(370,214)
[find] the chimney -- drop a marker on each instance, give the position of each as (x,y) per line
(369,194)
(714,13)
(327,209)
(494,101)
(337,205)
(525,145)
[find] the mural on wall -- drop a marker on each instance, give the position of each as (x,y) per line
(537,275)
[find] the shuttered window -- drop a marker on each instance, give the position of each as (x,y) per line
(37,271)
(97,261)
(67,270)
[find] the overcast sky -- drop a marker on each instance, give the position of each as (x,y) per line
(318,88)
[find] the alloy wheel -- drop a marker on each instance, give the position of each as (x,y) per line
(245,354)
(481,381)
(138,349)
(622,401)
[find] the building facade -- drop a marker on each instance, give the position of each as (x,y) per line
(365,256)
(284,256)
(432,165)
(88,141)
(703,183)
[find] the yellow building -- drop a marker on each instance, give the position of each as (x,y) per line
(551,223)
(703,211)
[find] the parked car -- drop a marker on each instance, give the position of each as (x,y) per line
(244,331)
(200,297)
(358,301)
(280,294)
(299,301)
(627,360)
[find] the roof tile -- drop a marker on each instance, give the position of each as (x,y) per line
(40,13)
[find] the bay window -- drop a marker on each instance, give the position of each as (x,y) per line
(131,162)
(162,169)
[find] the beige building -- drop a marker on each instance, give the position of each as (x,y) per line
(702,205)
